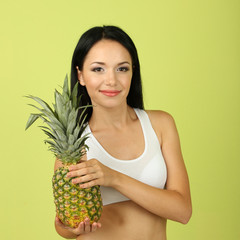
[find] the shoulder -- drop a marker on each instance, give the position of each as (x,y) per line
(160,119)
(162,123)
(159,115)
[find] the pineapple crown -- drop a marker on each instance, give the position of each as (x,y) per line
(65,124)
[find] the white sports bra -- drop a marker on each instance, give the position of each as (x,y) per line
(149,168)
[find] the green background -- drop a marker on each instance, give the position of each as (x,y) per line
(190,58)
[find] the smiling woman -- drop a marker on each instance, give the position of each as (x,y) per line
(134,154)
(107,81)
(88,40)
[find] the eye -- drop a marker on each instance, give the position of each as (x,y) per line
(123,69)
(97,69)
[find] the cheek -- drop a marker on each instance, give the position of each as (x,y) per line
(92,85)
(127,81)
(91,81)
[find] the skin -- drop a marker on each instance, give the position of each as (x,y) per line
(108,66)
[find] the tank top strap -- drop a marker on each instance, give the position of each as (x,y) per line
(151,138)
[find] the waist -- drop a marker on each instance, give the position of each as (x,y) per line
(126,220)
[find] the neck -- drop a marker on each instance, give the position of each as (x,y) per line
(116,118)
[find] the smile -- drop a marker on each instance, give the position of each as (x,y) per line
(110,93)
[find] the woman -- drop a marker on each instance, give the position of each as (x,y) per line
(133,154)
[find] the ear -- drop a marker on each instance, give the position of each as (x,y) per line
(80,77)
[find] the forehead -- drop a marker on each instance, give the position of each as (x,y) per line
(108,50)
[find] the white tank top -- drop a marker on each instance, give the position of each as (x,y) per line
(149,168)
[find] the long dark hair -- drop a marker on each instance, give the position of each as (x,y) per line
(86,42)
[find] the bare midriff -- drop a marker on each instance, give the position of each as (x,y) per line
(126,220)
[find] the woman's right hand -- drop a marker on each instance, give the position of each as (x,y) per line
(83,227)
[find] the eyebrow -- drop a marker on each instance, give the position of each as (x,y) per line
(102,63)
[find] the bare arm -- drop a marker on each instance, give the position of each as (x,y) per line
(174,202)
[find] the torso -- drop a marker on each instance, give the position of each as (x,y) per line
(127,220)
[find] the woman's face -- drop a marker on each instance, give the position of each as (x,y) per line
(107,74)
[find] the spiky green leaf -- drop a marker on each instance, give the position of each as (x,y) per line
(72,119)
(63,108)
(81,141)
(65,127)
(32,118)
(76,131)
(49,134)
(50,131)
(51,116)
(53,145)
(65,86)
(71,139)
(42,103)
(74,96)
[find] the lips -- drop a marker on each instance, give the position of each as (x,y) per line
(110,93)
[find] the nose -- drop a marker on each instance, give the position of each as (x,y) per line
(111,78)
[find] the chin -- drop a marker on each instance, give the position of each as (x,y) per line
(111,104)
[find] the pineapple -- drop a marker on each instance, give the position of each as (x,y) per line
(65,126)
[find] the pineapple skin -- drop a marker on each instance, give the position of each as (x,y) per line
(74,204)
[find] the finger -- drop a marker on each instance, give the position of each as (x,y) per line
(94,227)
(81,172)
(59,223)
(90,184)
(85,164)
(84,158)
(86,178)
(77,166)
(87,225)
(80,229)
